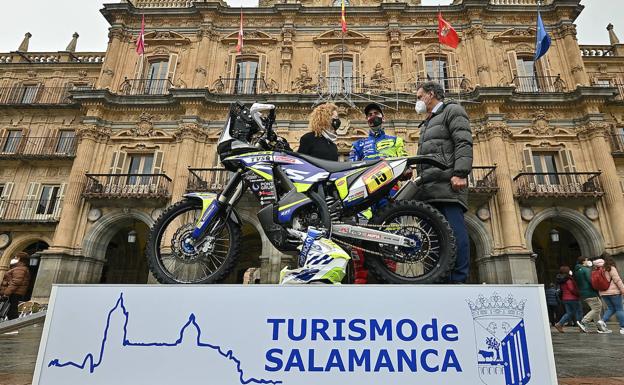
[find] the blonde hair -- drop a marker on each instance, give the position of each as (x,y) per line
(320,118)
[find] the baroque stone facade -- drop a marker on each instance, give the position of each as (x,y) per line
(79,129)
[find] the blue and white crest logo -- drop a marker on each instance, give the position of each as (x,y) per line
(502,352)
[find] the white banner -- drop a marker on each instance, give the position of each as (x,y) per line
(316,334)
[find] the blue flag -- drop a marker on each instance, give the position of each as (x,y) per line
(543,40)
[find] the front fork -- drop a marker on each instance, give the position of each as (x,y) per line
(214,206)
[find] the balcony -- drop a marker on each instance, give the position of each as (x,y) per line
(617,83)
(240,86)
(30,211)
(338,85)
(452,85)
(482,184)
(617,144)
(50,147)
(538,84)
(597,50)
(35,95)
(207,179)
(164,3)
(141,87)
(127,186)
(565,185)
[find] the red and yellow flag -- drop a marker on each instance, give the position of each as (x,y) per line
(343,18)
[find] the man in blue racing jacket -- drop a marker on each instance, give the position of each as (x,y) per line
(376,145)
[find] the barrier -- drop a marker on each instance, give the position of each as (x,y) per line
(261,334)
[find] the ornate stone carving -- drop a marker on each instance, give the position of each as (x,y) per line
(483,68)
(94,132)
(516,35)
(32,74)
(201,70)
(335,36)
(422,36)
(189,130)
(252,37)
(303,82)
(593,129)
(144,127)
(541,124)
(166,38)
(82,74)
(577,68)
(378,80)
(108,71)
(567,29)
(475,30)
(492,129)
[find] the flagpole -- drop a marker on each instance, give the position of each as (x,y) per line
(142,56)
(439,45)
(342,48)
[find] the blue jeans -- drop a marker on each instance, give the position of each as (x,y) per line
(573,310)
(614,304)
(454,214)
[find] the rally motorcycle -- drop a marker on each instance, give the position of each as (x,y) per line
(198,240)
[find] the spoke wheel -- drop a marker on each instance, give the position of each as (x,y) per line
(173,256)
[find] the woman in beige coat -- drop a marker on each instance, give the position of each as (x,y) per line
(613,295)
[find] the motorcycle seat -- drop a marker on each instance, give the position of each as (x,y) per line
(332,166)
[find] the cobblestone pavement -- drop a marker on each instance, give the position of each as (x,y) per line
(581,359)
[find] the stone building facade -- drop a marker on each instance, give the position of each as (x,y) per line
(94,145)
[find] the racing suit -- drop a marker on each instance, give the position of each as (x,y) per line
(376,145)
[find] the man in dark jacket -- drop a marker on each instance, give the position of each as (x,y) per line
(446,132)
(582,276)
(15,283)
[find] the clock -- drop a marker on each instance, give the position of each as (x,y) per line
(5,240)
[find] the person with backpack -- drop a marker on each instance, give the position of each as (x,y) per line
(569,296)
(582,277)
(552,302)
(606,271)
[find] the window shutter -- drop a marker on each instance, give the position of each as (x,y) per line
(323,66)
(6,195)
(50,141)
(527,160)
(230,67)
(421,70)
(357,74)
(119,159)
(38,94)
(158,160)
(543,70)
(262,73)
(31,200)
(23,140)
(58,205)
(512,58)
(171,69)
(567,160)
(454,83)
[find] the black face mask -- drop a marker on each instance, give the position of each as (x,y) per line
(335,123)
(375,121)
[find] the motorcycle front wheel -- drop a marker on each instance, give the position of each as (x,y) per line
(432,258)
(173,258)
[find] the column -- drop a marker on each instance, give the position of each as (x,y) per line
(112,54)
(574,57)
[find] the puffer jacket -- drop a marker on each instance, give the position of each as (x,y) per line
(446,133)
(16,281)
(582,276)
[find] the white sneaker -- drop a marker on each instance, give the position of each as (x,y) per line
(10,333)
(607,331)
(582,326)
(621,330)
(601,326)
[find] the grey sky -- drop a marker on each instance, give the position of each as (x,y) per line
(52,22)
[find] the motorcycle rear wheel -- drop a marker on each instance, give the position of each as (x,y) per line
(171,263)
(431,261)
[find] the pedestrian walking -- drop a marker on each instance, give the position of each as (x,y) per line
(582,277)
(552,302)
(15,283)
(613,294)
(569,296)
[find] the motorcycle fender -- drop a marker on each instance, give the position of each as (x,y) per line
(207,199)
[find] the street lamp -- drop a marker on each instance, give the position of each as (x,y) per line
(132,236)
(554,235)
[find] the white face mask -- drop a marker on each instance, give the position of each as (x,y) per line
(588,263)
(421,107)
(14,261)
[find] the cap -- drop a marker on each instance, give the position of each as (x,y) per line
(373,106)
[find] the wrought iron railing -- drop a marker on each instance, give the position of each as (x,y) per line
(558,185)
(482,180)
(164,3)
(519,2)
(35,94)
(617,144)
(127,186)
(145,87)
(207,179)
(539,84)
(12,147)
(341,85)
(30,210)
(240,86)
(451,85)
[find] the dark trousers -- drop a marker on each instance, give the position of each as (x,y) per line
(552,314)
(14,300)
(454,214)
